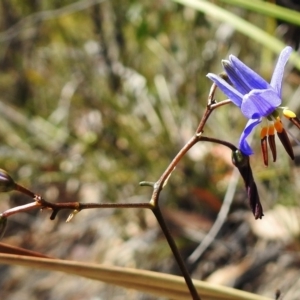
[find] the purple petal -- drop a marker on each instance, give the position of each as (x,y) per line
(276,80)
(260,103)
(251,78)
(227,89)
(243,145)
(235,77)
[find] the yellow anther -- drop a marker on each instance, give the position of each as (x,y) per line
(289,114)
(263,132)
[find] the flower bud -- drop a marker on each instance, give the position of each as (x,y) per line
(7,184)
(241,161)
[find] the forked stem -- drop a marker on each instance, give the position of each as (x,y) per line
(8,184)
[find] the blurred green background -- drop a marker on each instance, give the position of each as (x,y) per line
(96,96)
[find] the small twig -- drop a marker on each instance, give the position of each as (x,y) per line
(217,141)
(41,203)
(25,191)
(211,105)
(21,208)
(147,183)
(56,207)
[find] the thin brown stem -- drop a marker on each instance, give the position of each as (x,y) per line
(160,183)
(158,186)
(212,105)
(157,212)
(208,111)
(217,141)
(21,208)
(41,203)
(25,191)
(195,139)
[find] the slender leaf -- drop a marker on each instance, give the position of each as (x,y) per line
(241,25)
(268,9)
(164,285)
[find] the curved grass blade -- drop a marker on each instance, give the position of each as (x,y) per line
(163,285)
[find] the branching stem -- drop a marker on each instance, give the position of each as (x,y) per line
(153,204)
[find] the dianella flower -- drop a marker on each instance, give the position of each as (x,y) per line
(258,100)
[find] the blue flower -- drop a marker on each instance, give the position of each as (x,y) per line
(256,98)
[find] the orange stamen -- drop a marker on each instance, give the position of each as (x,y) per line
(278,125)
(271,130)
(264,144)
(264,132)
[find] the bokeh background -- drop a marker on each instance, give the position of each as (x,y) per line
(96,96)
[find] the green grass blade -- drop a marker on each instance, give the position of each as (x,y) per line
(268,9)
(240,25)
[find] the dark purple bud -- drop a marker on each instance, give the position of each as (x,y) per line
(242,162)
(7,184)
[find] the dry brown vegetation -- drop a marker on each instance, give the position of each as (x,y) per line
(96,97)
